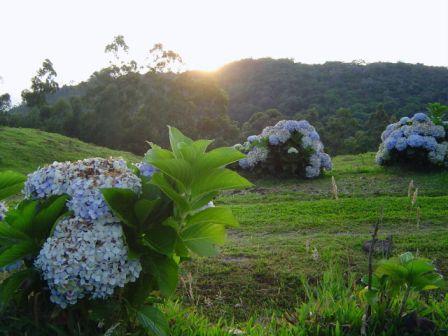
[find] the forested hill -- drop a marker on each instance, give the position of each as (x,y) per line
(402,88)
(349,103)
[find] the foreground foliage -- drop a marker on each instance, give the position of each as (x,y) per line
(161,219)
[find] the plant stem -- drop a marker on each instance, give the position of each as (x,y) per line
(405,299)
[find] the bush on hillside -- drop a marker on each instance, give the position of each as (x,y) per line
(415,142)
(290,148)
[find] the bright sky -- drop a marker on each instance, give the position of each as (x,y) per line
(210,33)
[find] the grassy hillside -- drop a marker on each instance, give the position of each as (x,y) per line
(23,149)
(293,228)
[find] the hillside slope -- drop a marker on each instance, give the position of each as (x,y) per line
(23,149)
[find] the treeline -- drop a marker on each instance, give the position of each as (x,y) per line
(125,104)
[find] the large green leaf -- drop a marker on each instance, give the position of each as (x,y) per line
(165,270)
(201,237)
(47,216)
(121,201)
(153,321)
(9,235)
(215,215)
(17,252)
(216,180)
(11,285)
(161,239)
(143,209)
(156,153)
(10,183)
(178,169)
(218,157)
(22,218)
(176,138)
(159,180)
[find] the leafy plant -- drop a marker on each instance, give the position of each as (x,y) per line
(408,273)
(169,219)
(436,113)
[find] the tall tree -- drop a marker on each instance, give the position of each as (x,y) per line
(43,84)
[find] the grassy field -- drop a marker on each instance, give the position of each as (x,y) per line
(293,228)
(24,150)
(291,233)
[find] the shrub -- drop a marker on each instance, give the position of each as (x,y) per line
(414,142)
(290,148)
(101,243)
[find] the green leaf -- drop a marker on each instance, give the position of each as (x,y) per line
(200,238)
(10,235)
(159,180)
(165,271)
(218,179)
(22,218)
(153,321)
(201,145)
(176,138)
(161,239)
(121,201)
(215,215)
(219,157)
(143,208)
(10,183)
(17,252)
(157,154)
(12,284)
(178,169)
(46,217)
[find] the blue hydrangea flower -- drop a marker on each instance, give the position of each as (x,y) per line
(418,132)
(252,138)
(96,264)
(146,169)
(420,117)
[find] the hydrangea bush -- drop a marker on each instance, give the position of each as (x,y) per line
(290,147)
(415,142)
(100,243)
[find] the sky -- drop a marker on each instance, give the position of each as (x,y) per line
(208,34)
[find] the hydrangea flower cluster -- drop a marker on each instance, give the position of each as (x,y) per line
(85,258)
(86,254)
(414,139)
(290,146)
(3,210)
(82,180)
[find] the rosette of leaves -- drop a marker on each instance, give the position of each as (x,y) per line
(396,278)
(169,220)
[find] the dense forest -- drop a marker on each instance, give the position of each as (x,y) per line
(125,104)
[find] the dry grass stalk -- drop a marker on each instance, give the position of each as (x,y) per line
(410,188)
(414,197)
(418,217)
(334,188)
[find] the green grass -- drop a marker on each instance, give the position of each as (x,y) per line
(290,230)
(24,150)
(282,221)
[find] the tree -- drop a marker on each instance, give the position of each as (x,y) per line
(119,49)
(260,120)
(43,84)
(162,60)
